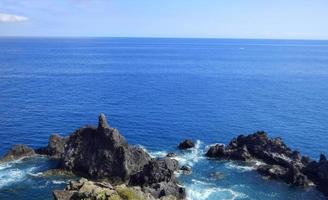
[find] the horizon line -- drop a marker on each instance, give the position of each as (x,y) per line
(167,37)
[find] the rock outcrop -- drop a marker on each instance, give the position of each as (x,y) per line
(280,161)
(55,148)
(158,179)
(186,144)
(17,152)
(103,153)
(318,173)
(91,190)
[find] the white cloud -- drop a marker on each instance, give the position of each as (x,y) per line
(4,17)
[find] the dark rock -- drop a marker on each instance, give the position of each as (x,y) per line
(273,171)
(305,160)
(17,152)
(240,154)
(256,146)
(186,170)
(158,178)
(55,148)
(235,153)
(157,170)
(289,175)
(280,161)
(186,144)
(217,151)
(170,155)
(295,177)
(322,158)
(318,173)
(102,153)
(162,189)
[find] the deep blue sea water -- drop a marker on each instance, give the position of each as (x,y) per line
(158,92)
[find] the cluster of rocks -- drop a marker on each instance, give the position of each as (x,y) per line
(103,153)
(102,190)
(280,161)
(128,172)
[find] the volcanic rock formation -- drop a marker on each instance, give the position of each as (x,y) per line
(280,161)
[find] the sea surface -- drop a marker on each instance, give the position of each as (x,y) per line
(157,92)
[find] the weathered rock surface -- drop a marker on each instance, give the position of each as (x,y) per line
(55,148)
(57,172)
(102,152)
(186,144)
(318,173)
(158,179)
(17,152)
(280,161)
(90,190)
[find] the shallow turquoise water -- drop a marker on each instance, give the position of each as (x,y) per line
(160,91)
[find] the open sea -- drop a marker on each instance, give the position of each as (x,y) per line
(157,92)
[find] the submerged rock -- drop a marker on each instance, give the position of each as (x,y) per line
(17,152)
(186,144)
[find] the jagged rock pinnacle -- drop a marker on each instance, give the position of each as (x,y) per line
(102,124)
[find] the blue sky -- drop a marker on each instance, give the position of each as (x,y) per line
(289,19)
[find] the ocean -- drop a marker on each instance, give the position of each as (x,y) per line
(159,91)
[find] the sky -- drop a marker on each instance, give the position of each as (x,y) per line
(272,19)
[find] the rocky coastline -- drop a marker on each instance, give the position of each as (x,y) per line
(111,169)
(102,154)
(279,161)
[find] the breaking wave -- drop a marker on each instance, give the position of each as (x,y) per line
(200,190)
(10,174)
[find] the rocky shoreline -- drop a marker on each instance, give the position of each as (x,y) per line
(102,154)
(111,169)
(280,162)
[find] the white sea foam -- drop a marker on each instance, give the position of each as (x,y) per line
(58,182)
(242,168)
(191,156)
(7,165)
(256,163)
(10,174)
(4,166)
(35,174)
(154,154)
(158,154)
(201,190)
